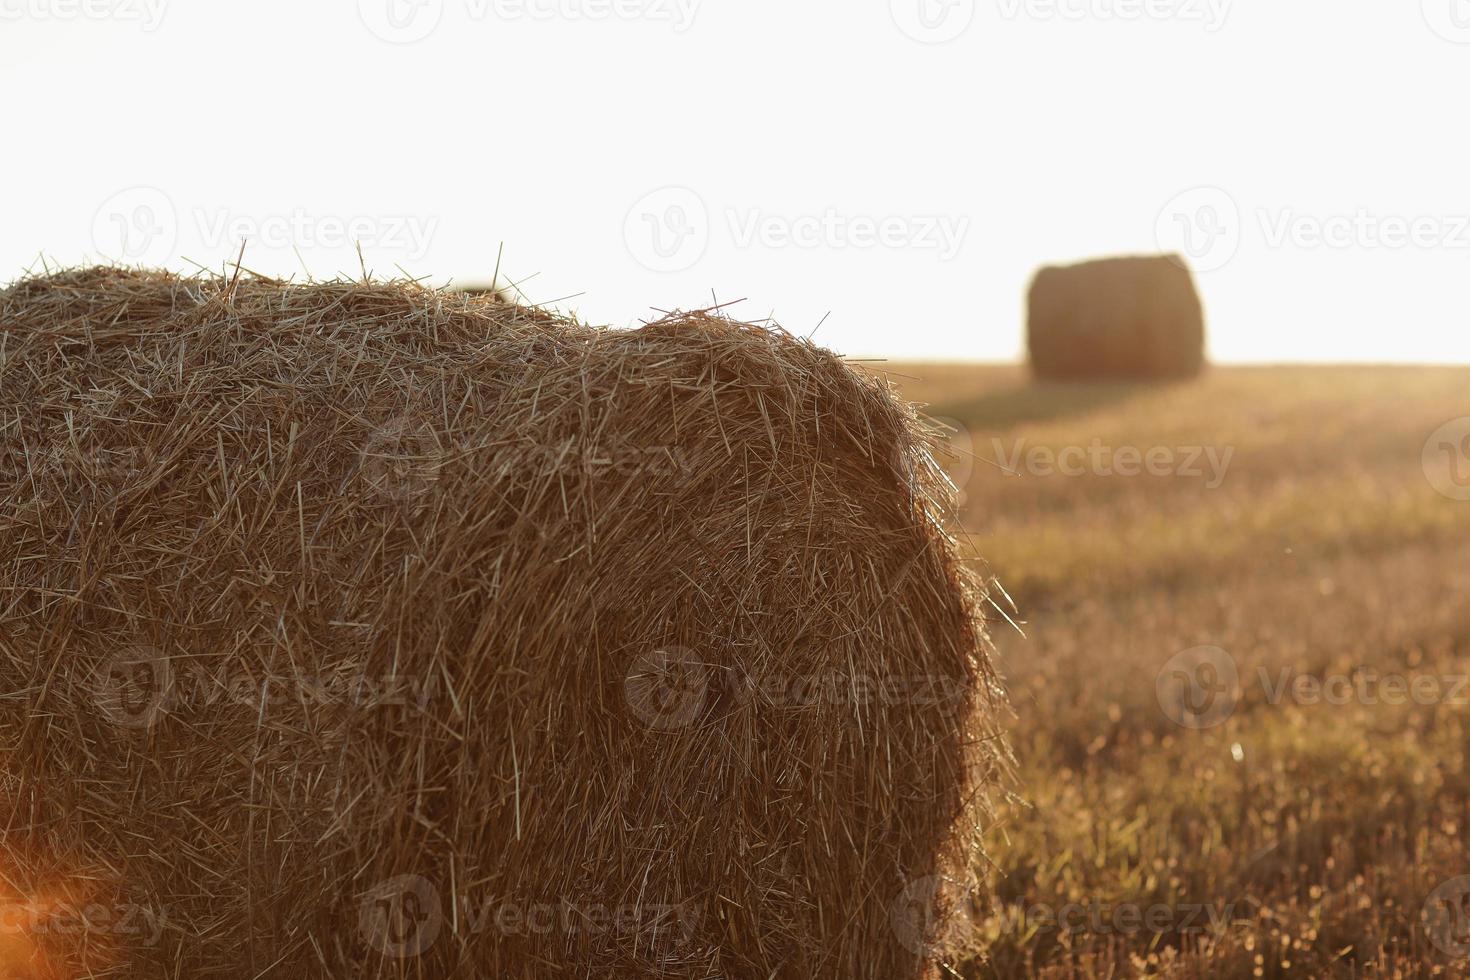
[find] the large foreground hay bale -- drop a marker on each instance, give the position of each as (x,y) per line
(1132,317)
(367,630)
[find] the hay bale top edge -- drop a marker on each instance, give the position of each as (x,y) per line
(404,325)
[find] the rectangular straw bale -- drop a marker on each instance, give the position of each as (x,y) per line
(1135,318)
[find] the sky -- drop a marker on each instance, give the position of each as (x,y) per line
(886,173)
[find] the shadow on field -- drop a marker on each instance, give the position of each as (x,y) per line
(1042,401)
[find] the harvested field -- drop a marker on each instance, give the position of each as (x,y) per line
(1312,824)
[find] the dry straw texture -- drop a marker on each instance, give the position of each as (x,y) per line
(358,629)
(1136,317)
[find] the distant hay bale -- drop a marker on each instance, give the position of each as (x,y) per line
(369,630)
(1134,317)
(486,291)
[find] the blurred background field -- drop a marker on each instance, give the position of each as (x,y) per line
(1314,832)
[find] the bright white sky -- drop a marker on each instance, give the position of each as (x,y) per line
(649,153)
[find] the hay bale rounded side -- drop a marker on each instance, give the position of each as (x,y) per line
(1137,317)
(369,630)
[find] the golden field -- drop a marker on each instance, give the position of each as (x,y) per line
(1301,818)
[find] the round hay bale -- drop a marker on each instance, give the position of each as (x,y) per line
(1137,317)
(370,630)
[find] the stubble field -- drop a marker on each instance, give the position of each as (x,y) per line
(1240,707)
